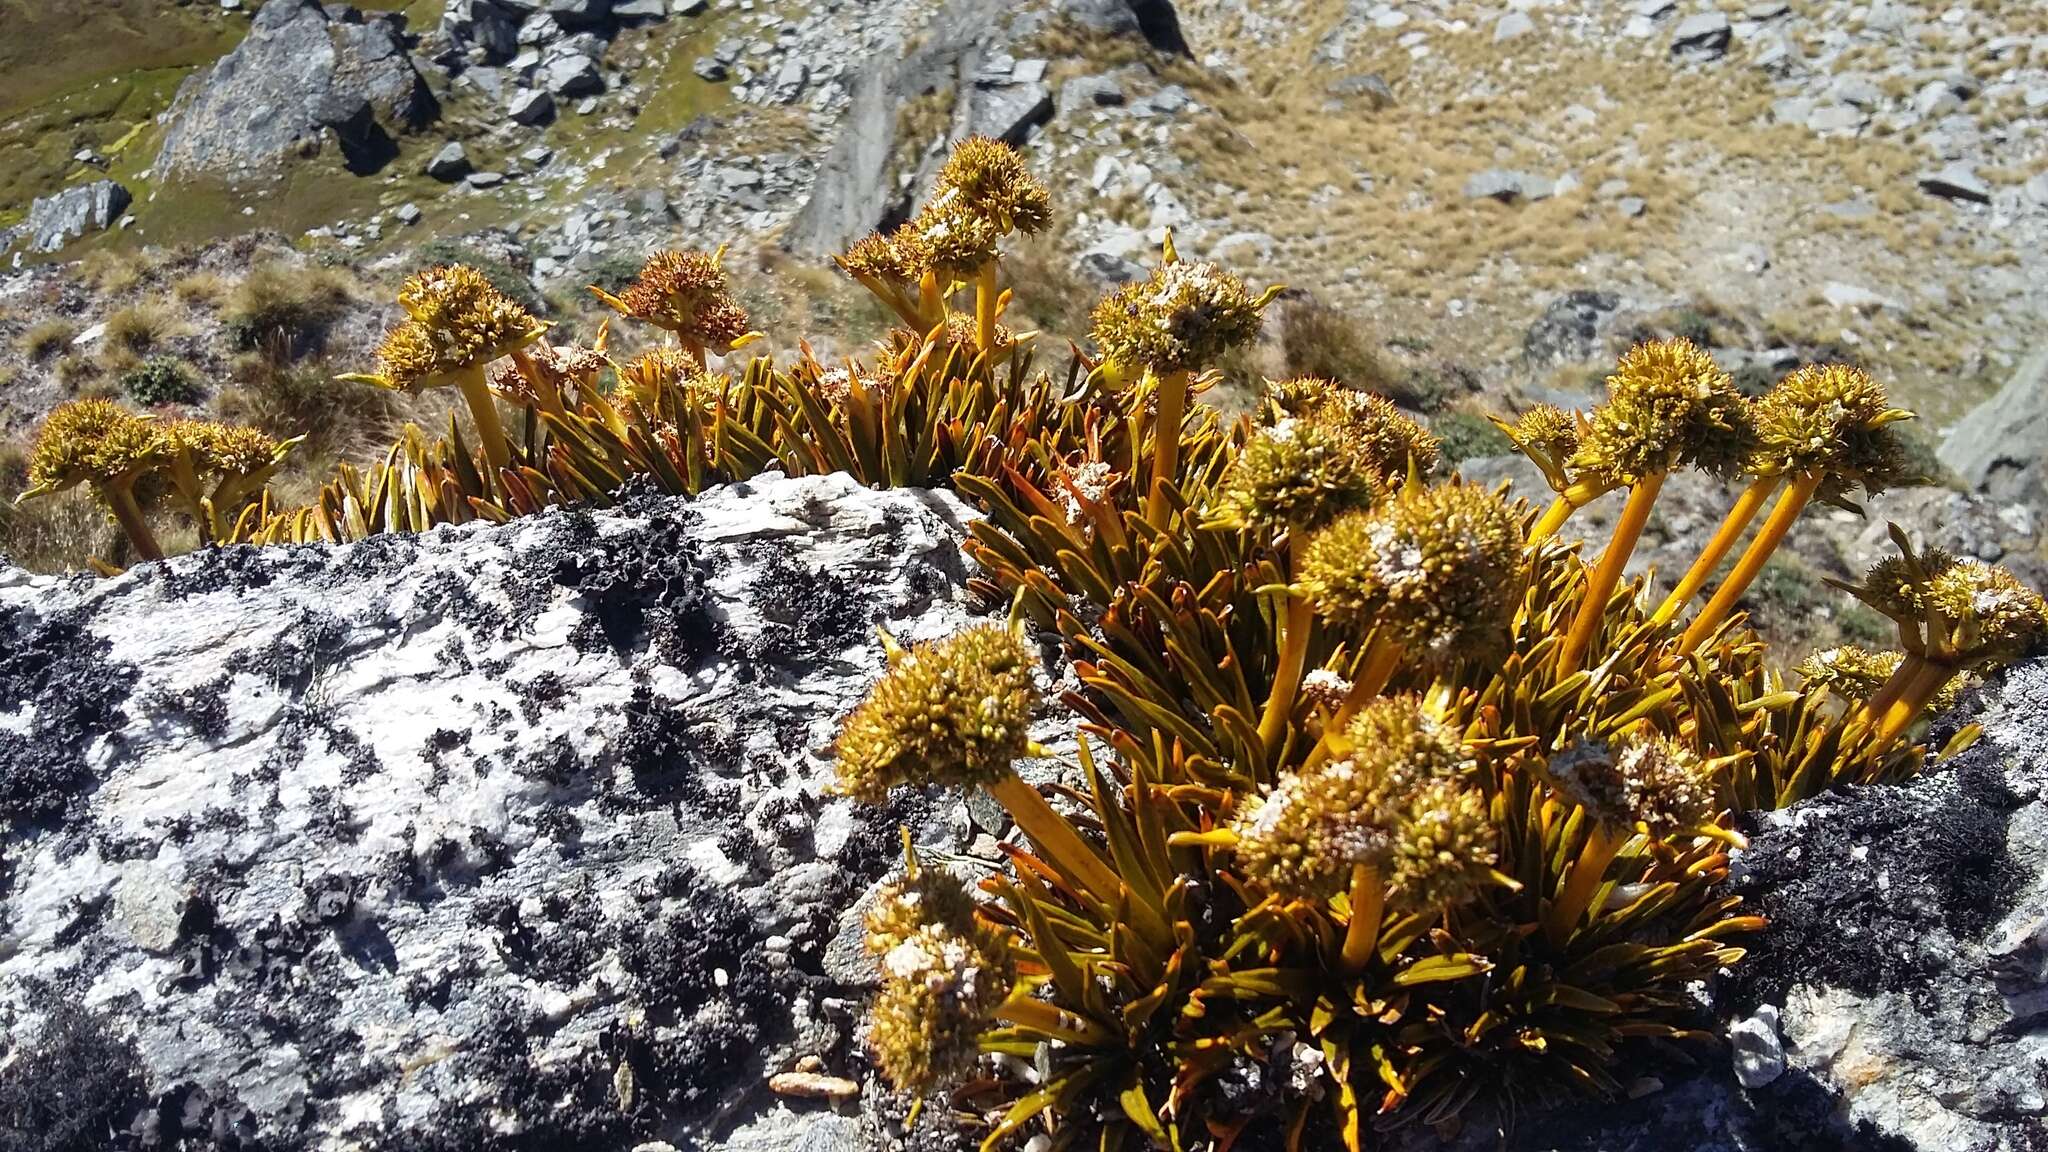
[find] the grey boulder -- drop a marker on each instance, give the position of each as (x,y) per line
(300,75)
(57,220)
(2001,447)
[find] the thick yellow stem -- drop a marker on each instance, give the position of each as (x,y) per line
(1737,522)
(1553,518)
(545,393)
(127,513)
(1287,675)
(1790,503)
(1912,701)
(1368,904)
(985,296)
(1062,847)
(1587,872)
(483,408)
(1603,579)
(1382,656)
(1173,406)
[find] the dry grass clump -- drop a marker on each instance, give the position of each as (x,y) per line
(47,338)
(54,534)
(140,329)
(285,309)
(1320,341)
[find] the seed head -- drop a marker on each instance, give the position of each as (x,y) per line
(1890,586)
(957,241)
(944,973)
(1181,318)
(1374,428)
(955,711)
(1548,429)
(1810,421)
(1636,781)
(229,449)
(1293,475)
(1444,847)
(455,320)
(1668,404)
(91,440)
(1436,570)
(897,259)
(1998,619)
(1303,836)
(990,180)
(686,293)
(1858,674)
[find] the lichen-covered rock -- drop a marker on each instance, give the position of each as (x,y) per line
(496,837)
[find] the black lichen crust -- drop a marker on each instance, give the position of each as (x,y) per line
(643,588)
(74,1087)
(59,670)
(1861,893)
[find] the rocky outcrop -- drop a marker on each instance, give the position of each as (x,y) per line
(305,73)
(2001,447)
(511,832)
(519,837)
(57,220)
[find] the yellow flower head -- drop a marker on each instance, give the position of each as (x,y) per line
(1293,475)
(1997,620)
(1436,570)
(1181,318)
(90,440)
(686,293)
(229,449)
(899,259)
(1890,586)
(1444,847)
(1637,781)
(1858,674)
(1374,427)
(1811,421)
(1668,404)
(1303,836)
(944,971)
(956,241)
(955,711)
(990,180)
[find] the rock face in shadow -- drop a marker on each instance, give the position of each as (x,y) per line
(2001,447)
(304,72)
(498,837)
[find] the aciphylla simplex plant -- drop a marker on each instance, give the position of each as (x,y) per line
(1389,807)
(456,325)
(216,472)
(100,443)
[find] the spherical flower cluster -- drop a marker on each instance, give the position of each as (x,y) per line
(954,238)
(1998,619)
(1296,474)
(955,711)
(898,258)
(1636,781)
(1396,802)
(1436,570)
(1376,430)
(1668,404)
(226,449)
(991,180)
(455,320)
(944,973)
(1547,429)
(1810,421)
(1181,318)
(91,440)
(1891,587)
(1858,674)
(686,293)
